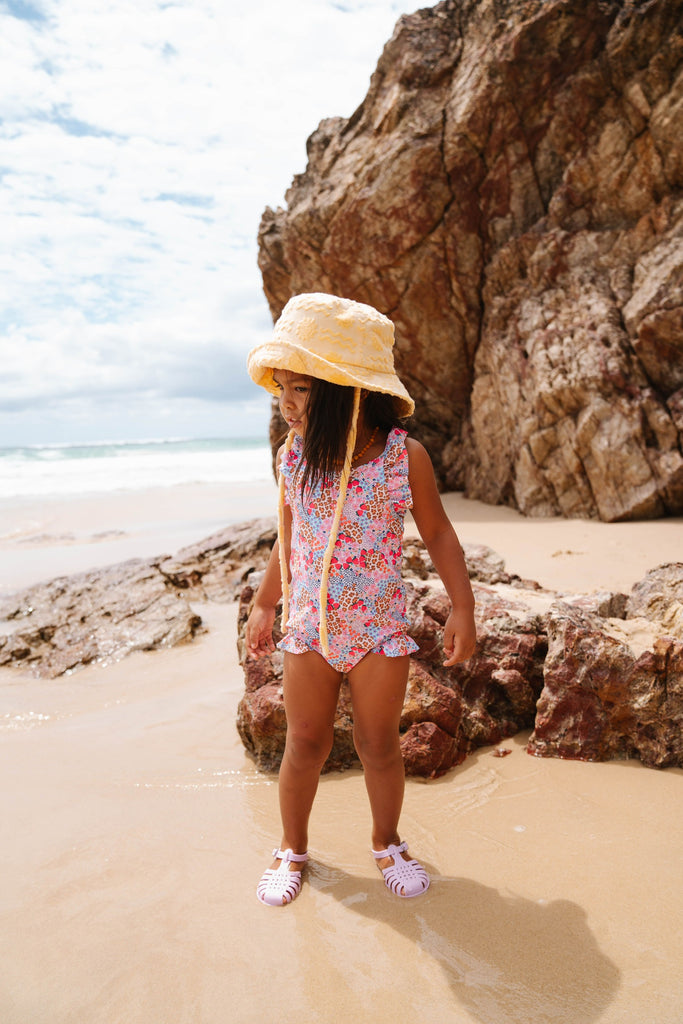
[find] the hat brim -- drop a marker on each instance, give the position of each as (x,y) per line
(276,356)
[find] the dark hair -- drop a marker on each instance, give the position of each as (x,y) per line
(380,411)
(328,420)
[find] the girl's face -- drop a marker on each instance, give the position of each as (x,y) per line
(294,389)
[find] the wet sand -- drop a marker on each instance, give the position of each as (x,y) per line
(135,830)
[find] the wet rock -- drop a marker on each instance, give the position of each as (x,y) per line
(97,616)
(498,687)
(142,604)
(447,712)
(428,751)
(509,193)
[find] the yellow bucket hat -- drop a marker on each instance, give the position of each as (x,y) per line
(337,340)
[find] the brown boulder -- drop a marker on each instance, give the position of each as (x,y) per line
(509,194)
(498,687)
(447,712)
(601,701)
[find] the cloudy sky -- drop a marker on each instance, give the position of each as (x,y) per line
(140,141)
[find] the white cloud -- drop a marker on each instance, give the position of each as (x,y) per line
(139,144)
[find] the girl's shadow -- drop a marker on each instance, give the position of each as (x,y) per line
(506,958)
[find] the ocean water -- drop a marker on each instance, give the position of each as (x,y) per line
(68,469)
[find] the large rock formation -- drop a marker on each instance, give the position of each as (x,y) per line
(510,194)
(447,712)
(595,676)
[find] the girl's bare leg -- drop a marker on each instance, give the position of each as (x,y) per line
(378,686)
(311,691)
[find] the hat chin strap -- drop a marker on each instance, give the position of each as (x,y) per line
(284,569)
(334,530)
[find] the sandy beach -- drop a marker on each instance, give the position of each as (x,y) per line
(135,828)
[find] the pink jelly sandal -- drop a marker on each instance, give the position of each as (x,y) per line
(279,886)
(403,877)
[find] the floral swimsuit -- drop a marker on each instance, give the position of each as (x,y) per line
(366,608)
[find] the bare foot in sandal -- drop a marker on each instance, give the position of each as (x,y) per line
(402,875)
(281,884)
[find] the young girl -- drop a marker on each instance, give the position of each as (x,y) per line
(347,474)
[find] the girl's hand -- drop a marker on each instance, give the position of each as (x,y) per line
(459,636)
(258,632)
(441,541)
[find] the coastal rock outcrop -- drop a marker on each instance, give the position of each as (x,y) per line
(139,605)
(216,568)
(659,595)
(595,676)
(447,712)
(510,193)
(97,616)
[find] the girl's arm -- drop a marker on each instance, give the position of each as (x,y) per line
(258,631)
(444,549)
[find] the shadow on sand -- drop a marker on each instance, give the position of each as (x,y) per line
(508,960)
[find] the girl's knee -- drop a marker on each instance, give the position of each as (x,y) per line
(306,750)
(378,752)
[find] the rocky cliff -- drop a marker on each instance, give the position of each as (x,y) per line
(510,193)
